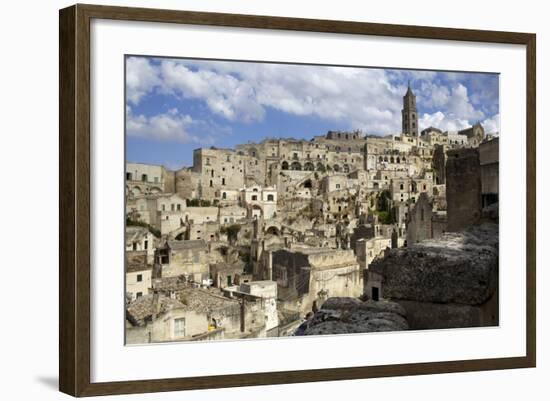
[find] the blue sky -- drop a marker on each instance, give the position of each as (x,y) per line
(176,105)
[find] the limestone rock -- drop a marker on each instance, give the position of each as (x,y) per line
(350,315)
(424,315)
(459,268)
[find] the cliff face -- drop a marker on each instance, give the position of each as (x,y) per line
(448,282)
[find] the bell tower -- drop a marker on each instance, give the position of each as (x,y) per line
(408,114)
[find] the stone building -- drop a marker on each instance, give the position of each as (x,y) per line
(140,239)
(475,134)
(260,202)
(409,113)
(143,179)
(156,318)
(219,169)
(187,258)
(138,274)
(307,277)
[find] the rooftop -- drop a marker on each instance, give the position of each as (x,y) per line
(143,308)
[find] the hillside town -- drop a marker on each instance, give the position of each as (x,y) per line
(342,233)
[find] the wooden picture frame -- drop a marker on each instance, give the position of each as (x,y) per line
(75,207)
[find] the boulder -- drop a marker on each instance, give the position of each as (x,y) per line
(349,315)
(424,315)
(458,268)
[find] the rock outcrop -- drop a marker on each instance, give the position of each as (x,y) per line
(446,282)
(350,315)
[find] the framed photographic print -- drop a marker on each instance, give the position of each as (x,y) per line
(358,198)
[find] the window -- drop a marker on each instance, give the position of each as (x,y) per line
(211,184)
(254,197)
(223,181)
(146,244)
(179,206)
(337,186)
(144,177)
(179,327)
(129,176)
(172,207)
(224,195)
(270,198)
(139,294)
(139,278)
(156,179)
(401,187)
(207,161)
(163,207)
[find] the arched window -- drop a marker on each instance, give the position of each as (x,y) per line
(270,198)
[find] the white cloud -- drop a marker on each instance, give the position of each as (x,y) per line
(442,121)
(166,126)
(492,124)
(242,91)
(141,78)
(459,104)
(368,99)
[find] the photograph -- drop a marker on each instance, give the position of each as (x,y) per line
(267,199)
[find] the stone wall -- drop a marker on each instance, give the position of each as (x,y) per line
(463,188)
(419,225)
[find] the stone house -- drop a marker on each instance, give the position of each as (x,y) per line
(156,318)
(138,274)
(187,258)
(260,201)
(475,134)
(140,239)
(143,179)
(308,276)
